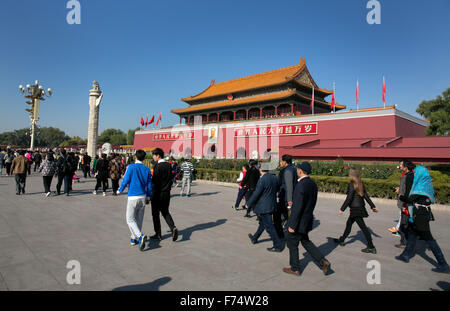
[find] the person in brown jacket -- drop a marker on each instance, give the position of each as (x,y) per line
(19,168)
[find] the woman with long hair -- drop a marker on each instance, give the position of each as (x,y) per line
(356,194)
(419,201)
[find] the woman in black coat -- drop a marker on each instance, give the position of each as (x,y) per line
(101,173)
(356,194)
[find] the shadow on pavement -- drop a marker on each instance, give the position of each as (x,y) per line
(186,233)
(326,249)
(152,286)
(360,237)
(443,285)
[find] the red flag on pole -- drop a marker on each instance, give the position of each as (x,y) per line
(357,94)
(151,120)
(312,101)
(159,119)
(142,121)
(332,100)
(146,121)
(384,92)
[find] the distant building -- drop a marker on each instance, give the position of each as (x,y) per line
(269,114)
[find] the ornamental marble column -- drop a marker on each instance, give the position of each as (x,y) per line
(95,98)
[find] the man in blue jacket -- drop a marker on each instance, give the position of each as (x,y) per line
(138,178)
(264,198)
(301,221)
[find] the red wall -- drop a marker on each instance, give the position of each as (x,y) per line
(351,128)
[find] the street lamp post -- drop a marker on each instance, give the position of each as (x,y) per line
(35,93)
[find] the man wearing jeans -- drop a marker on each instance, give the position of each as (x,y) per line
(138,178)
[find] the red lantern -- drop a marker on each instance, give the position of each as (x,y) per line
(230,97)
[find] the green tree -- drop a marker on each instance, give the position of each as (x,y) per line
(130,136)
(49,137)
(437,111)
(74,141)
(112,136)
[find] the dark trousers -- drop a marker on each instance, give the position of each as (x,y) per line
(47,183)
(413,234)
(67,183)
(20,182)
(362,225)
(292,241)
(36,165)
(160,204)
(265,223)
(241,194)
(102,181)
(29,167)
(8,168)
(279,216)
(249,195)
(86,170)
(115,184)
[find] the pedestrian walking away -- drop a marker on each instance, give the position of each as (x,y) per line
(2,161)
(64,170)
(161,186)
(101,173)
(9,157)
(419,203)
(116,170)
(264,199)
(300,223)
(48,169)
(37,160)
(19,167)
(187,168)
(356,197)
(138,179)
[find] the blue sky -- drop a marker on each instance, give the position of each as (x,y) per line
(148,54)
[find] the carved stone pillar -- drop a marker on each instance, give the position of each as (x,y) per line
(95,98)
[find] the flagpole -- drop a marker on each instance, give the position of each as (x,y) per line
(312,100)
(357,94)
(334,105)
(384,94)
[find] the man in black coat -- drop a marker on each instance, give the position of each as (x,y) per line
(265,200)
(301,221)
(65,172)
(161,185)
(250,181)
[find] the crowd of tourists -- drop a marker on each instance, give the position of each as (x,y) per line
(284,207)
(284,204)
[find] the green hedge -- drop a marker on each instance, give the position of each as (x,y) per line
(375,187)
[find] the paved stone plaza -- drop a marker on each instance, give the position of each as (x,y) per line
(39,235)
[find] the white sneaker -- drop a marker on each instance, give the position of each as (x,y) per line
(104,194)
(117,192)
(48,194)
(95,192)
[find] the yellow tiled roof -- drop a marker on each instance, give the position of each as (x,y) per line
(248,100)
(264,79)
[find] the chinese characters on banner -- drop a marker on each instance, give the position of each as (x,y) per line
(173,136)
(278,130)
(252,131)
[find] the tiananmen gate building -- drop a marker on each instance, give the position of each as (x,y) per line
(269,114)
